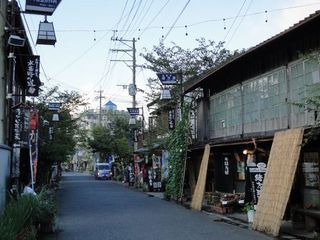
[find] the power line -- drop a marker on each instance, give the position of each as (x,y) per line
(132,7)
(190,24)
(234,32)
(234,20)
(105,71)
(174,23)
(79,57)
(134,16)
(124,8)
(154,18)
(143,16)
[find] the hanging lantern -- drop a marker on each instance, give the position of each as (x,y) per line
(132,121)
(46,34)
(165,94)
(55,117)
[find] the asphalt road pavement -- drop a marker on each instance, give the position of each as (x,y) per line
(99,209)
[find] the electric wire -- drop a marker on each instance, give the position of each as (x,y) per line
(105,71)
(174,23)
(154,18)
(241,20)
(190,24)
(133,18)
(124,8)
(139,18)
(80,56)
(128,16)
(234,20)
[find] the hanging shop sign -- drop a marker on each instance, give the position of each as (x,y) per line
(21,118)
(226,165)
(32,66)
(171,119)
(133,111)
(167,78)
(256,180)
(41,7)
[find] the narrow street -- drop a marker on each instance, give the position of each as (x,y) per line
(92,209)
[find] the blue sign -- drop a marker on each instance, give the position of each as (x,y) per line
(133,111)
(54,106)
(167,78)
(42,7)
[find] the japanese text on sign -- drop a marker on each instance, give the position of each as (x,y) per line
(32,75)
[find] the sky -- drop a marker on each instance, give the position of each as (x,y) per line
(83,60)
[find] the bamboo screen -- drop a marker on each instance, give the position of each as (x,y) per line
(278,180)
(197,197)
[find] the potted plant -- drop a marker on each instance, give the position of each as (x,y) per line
(249,209)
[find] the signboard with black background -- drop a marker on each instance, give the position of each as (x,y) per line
(171,119)
(21,118)
(32,66)
(256,177)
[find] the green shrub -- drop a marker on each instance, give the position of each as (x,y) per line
(19,217)
(47,205)
(22,217)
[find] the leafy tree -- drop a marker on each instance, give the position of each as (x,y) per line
(101,141)
(60,146)
(186,62)
(112,139)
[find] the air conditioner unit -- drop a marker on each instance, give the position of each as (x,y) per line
(15,40)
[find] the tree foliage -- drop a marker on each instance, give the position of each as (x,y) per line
(187,62)
(112,139)
(58,147)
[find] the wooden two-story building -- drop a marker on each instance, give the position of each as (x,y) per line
(250,98)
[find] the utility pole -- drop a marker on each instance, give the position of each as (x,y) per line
(100,104)
(132,87)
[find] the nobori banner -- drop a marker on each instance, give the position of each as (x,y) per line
(42,7)
(133,111)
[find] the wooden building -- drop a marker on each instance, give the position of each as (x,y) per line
(250,98)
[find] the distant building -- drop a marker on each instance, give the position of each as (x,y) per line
(110,106)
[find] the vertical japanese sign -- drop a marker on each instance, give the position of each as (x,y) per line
(21,116)
(33,143)
(226,165)
(256,180)
(32,65)
(171,119)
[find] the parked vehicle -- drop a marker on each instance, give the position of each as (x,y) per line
(103,171)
